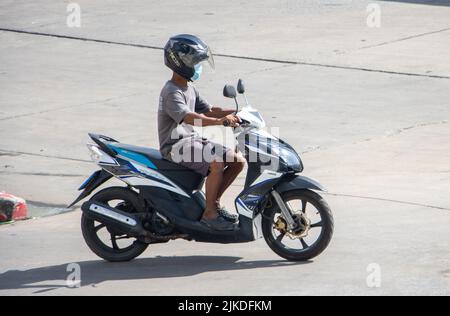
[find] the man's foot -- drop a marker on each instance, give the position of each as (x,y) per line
(218,223)
(232,218)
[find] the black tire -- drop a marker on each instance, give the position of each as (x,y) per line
(90,233)
(327,227)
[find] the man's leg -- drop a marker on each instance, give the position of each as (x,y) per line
(213,184)
(233,169)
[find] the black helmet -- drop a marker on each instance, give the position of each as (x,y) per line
(183,52)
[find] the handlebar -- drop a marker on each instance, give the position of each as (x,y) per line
(226,123)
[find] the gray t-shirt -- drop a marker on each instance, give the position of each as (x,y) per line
(174,103)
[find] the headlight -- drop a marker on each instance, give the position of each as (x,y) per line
(288,157)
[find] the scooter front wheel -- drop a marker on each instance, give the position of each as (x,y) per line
(313,231)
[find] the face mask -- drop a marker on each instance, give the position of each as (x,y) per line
(198,72)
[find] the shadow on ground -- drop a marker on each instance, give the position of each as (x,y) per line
(427,2)
(93,272)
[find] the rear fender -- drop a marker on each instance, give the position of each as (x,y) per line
(93,182)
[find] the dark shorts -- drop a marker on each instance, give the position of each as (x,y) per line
(198,154)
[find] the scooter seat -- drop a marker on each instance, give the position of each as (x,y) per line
(150,153)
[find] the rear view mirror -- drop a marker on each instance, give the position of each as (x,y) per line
(229,92)
(241,87)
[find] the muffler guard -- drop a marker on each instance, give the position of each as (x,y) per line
(126,223)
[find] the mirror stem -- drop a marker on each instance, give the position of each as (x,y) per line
(245,98)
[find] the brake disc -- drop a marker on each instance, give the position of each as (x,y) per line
(303,226)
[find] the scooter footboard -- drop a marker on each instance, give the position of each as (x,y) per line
(201,233)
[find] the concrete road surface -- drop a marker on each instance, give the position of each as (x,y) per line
(366,104)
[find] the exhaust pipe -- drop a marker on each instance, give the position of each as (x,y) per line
(123,222)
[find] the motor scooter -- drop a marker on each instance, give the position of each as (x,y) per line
(164,201)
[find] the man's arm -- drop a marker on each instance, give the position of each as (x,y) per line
(217,112)
(197,119)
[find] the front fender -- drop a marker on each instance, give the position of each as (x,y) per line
(299,182)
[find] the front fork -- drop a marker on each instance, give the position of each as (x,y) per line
(285,210)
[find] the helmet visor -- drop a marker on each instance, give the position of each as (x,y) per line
(202,54)
(210,59)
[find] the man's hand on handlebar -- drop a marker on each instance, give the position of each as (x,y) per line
(230,121)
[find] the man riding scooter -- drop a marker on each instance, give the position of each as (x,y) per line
(180,109)
(163,200)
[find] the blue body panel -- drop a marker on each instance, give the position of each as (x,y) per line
(135,156)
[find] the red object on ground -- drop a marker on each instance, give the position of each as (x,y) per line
(12,208)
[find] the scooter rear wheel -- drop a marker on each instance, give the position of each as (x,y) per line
(105,242)
(306,242)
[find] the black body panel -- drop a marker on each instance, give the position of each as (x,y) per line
(164,200)
(254,171)
(299,182)
(187,179)
(102,141)
(201,233)
(97,179)
(185,213)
